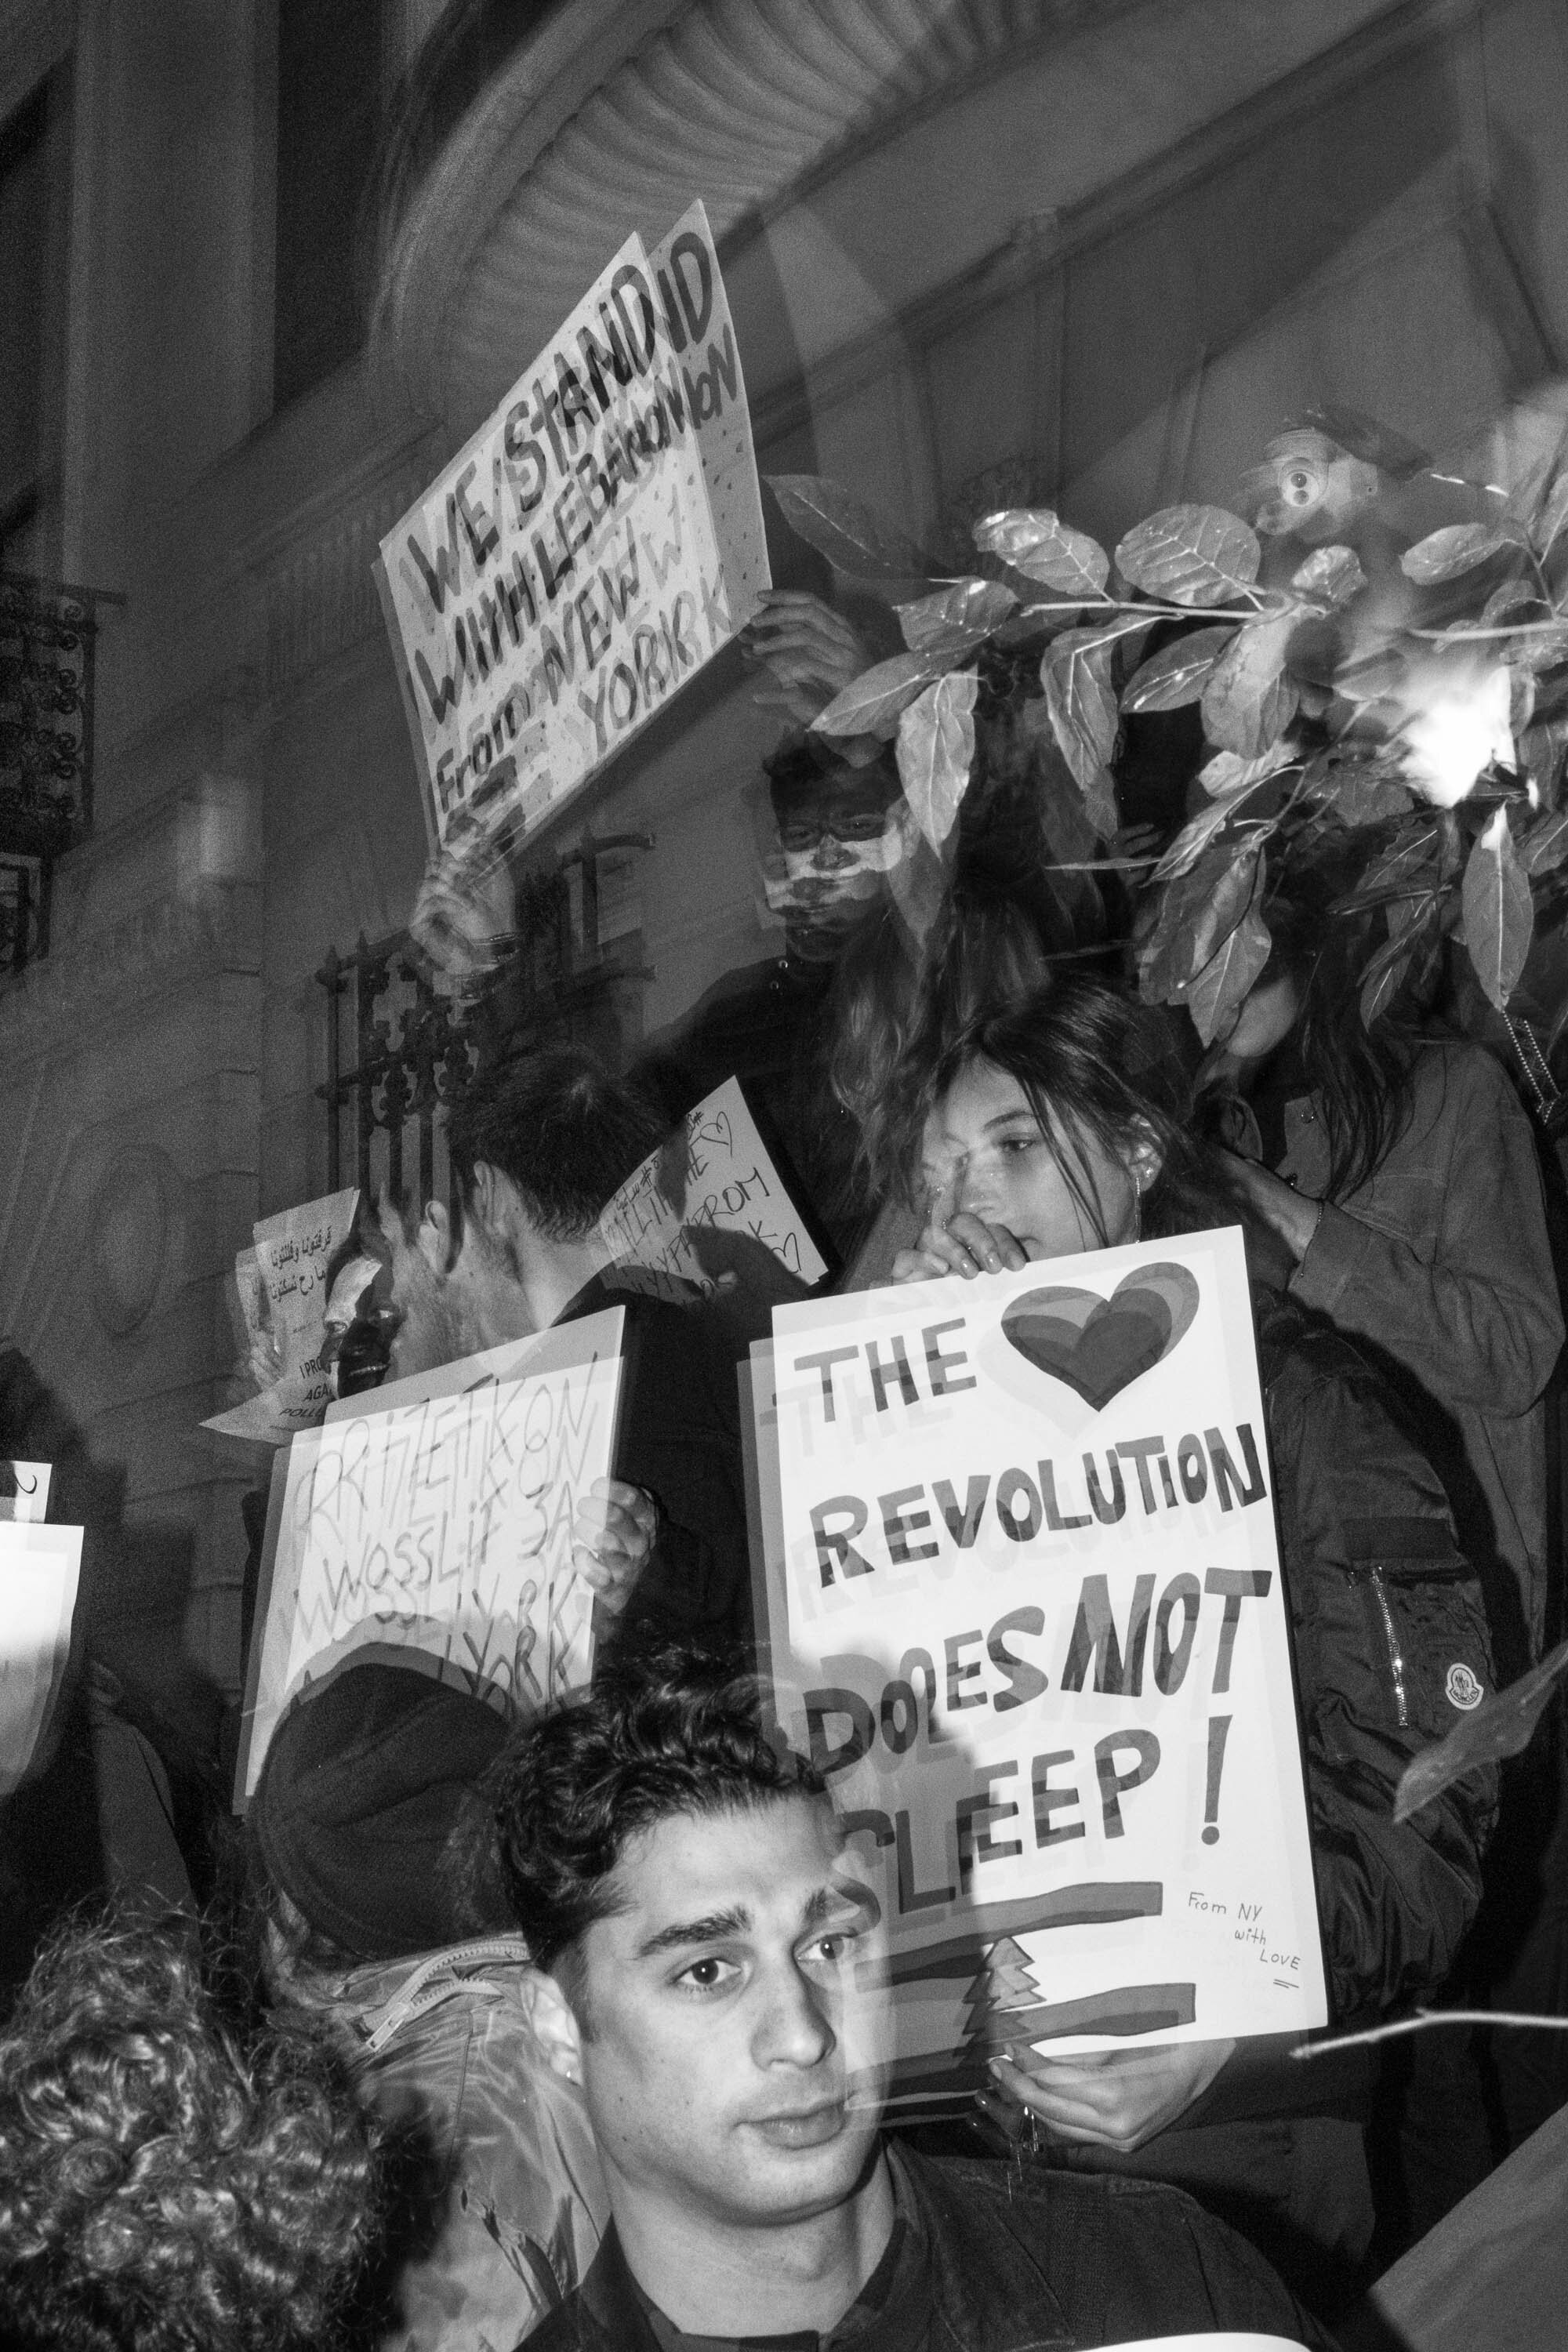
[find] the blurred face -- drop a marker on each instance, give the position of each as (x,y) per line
(434,1303)
(840,841)
(986,1156)
(727,2019)
(1266,1020)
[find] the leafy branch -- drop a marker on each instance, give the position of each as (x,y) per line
(1301,759)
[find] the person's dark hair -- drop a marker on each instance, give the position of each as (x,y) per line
(1094,1061)
(672,1733)
(803,761)
(872,1005)
(563,1128)
(1361,1076)
(163,2188)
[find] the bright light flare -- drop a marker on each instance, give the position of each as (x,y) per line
(1459,725)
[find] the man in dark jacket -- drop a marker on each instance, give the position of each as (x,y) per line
(713,1985)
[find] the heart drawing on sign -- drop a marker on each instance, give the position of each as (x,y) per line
(1099,1346)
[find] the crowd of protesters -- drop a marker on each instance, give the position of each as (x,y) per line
(568,2032)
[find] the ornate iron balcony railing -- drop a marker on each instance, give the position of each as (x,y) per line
(46,636)
(574,973)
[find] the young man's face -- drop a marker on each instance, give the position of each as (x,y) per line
(725,2021)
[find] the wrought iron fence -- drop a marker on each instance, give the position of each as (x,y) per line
(399,1052)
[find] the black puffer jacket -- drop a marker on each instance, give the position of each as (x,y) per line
(1392,1648)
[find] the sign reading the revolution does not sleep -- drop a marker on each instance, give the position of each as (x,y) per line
(1025,1602)
(592,546)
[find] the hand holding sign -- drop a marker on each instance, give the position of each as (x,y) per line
(612,1538)
(1112,2098)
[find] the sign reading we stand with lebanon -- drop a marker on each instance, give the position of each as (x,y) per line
(1024,1600)
(586,553)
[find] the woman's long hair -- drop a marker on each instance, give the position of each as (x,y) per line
(1361,1078)
(1095,1064)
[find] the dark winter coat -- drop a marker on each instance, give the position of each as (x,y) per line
(1002,2262)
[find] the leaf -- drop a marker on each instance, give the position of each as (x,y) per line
(870,704)
(1167,920)
(1501,1725)
(936,751)
(1192,555)
(1036,542)
(1545,846)
(1075,675)
(1214,998)
(1513,596)
(1498,911)
(852,536)
(1363,797)
(1195,837)
(1248,700)
(1458,547)
(1332,575)
(1178,674)
(1386,972)
(1553,514)
(965,605)
(1233,894)
(1402,868)
(1520,699)
(1541,749)
(1539,647)
(1227,769)
(1099,804)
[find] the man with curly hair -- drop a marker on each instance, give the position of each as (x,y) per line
(712,1957)
(162,2189)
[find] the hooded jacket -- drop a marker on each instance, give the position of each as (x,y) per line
(442,2046)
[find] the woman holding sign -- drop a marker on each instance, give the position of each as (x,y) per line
(1056,1126)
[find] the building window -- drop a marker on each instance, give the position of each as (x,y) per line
(330,83)
(35,202)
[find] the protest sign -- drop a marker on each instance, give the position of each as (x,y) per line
(1025,1606)
(1224,2341)
(563,577)
(281,1285)
(437,1530)
(40,1569)
(713,1177)
(25,1489)
(695,329)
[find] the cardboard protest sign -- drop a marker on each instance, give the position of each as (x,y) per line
(563,577)
(39,1570)
(713,1177)
(694,329)
(25,1489)
(282,1284)
(1224,2341)
(1026,1605)
(437,1530)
